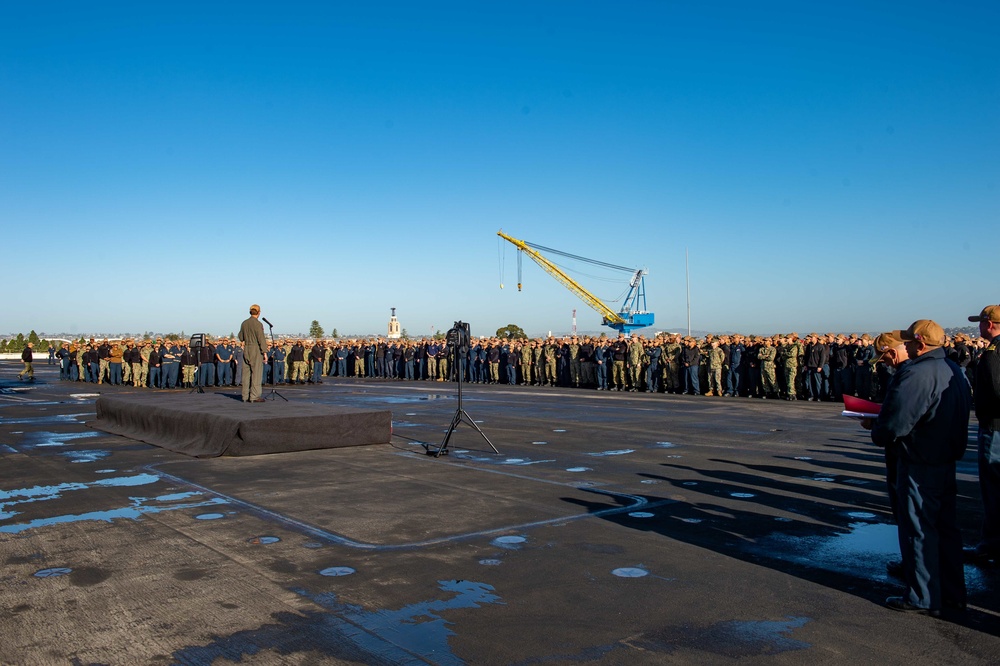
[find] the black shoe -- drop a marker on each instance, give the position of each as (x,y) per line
(958,606)
(903,606)
(978,555)
(895,569)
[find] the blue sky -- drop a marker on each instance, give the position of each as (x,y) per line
(828,166)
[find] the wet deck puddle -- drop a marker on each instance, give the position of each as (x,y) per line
(415,633)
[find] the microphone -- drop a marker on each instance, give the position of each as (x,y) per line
(267,322)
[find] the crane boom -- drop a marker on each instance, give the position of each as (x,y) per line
(610,316)
(631,316)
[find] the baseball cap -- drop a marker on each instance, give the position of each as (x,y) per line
(927,331)
(989,313)
(888,340)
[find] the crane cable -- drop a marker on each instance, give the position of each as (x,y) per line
(501,256)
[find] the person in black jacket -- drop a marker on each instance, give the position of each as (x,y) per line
(27,358)
(926,416)
(691,362)
(817,357)
(987,394)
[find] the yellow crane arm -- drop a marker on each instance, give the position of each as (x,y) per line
(609,315)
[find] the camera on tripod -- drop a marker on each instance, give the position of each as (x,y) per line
(459,337)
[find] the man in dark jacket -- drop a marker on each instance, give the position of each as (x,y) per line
(27,358)
(817,357)
(926,415)
(988,415)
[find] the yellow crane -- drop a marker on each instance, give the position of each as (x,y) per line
(631,316)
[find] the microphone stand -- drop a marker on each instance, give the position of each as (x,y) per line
(274,393)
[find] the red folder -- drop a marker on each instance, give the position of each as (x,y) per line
(857,408)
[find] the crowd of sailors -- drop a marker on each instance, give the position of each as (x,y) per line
(787,366)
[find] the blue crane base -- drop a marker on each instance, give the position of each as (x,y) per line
(632,322)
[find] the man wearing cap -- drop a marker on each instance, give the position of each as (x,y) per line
(252,336)
(27,357)
(892,352)
(926,416)
(987,393)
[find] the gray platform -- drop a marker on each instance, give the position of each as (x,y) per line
(210,425)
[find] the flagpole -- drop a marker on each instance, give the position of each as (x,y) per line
(687,279)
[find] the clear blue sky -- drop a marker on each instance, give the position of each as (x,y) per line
(829,165)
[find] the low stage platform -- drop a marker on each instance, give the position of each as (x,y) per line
(210,425)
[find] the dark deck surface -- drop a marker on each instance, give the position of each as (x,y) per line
(613,529)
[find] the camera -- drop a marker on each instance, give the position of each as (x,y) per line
(458,337)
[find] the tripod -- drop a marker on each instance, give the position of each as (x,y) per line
(274,393)
(460,413)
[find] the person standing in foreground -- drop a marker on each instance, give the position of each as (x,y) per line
(892,352)
(252,336)
(27,358)
(987,392)
(926,416)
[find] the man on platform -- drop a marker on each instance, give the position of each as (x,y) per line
(252,336)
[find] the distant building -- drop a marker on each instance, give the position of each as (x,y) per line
(394,330)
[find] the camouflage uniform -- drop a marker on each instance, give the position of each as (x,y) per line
(671,363)
(574,363)
(144,353)
(789,363)
(716,359)
(766,355)
(551,378)
(636,355)
(526,358)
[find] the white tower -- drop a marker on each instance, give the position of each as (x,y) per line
(394,333)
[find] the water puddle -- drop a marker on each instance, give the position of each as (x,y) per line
(664,445)
(140,507)
(416,633)
(517,462)
(490,563)
(509,542)
(176,497)
(335,572)
(45,439)
(742,495)
(209,516)
(389,399)
(54,418)
(651,481)
(618,452)
(642,514)
(862,551)
(85,456)
(263,540)
(559,430)
(578,469)
(539,443)
(42,493)
(53,572)
(630,572)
